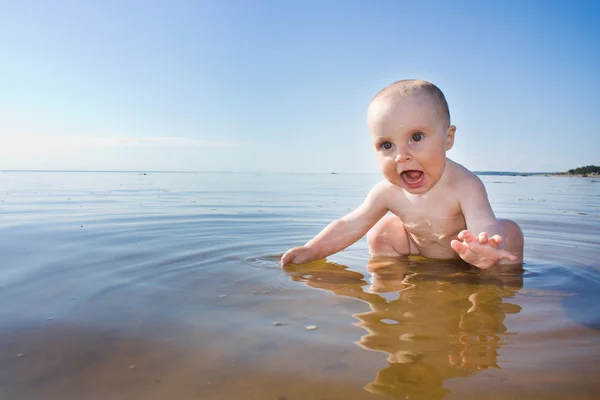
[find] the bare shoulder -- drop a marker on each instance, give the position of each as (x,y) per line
(383,192)
(383,186)
(469,190)
(463,180)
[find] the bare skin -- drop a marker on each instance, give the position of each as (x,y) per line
(443,231)
(438,208)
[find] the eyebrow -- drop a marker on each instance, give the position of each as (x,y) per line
(381,139)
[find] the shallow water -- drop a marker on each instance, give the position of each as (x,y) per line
(123,285)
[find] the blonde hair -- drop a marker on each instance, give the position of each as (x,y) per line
(408,87)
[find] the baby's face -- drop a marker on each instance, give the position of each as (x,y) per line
(411,139)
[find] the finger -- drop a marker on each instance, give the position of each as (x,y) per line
(459,247)
(466,236)
(288,257)
(508,255)
(466,253)
(497,238)
(483,238)
(492,242)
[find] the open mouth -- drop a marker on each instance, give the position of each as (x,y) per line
(413,178)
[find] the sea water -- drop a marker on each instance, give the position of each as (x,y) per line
(128,285)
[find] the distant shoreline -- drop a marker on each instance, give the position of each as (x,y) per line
(558,174)
(146,172)
(566,175)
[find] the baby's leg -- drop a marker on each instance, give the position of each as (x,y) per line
(388,238)
(513,240)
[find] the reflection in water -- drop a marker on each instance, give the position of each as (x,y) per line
(435,319)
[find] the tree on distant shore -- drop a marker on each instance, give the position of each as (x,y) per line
(588,169)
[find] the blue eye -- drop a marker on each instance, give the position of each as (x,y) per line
(416,137)
(386,145)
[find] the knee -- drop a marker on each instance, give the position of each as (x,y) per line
(376,235)
(513,235)
(382,232)
(511,228)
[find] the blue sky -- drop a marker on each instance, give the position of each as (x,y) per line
(284,86)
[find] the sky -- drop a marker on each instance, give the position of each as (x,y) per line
(283,86)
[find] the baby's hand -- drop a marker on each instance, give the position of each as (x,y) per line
(481,251)
(298,255)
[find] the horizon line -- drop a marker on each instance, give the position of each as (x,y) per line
(250,172)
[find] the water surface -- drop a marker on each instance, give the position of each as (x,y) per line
(126,286)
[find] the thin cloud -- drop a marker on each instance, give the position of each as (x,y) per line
(109,141)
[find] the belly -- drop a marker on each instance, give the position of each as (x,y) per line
(433,245)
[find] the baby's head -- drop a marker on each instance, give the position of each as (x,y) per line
(411,87)
(409,123)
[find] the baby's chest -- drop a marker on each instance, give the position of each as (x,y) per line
(438,217)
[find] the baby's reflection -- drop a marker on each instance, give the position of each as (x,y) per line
(442,321)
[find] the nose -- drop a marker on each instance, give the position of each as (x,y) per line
(403,155)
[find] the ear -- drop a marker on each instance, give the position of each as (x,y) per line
(450,137)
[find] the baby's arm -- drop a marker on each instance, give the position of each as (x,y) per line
(481,244)
(343,232)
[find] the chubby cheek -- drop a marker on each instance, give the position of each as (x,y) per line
(434,164)
(387,166)
(429,154)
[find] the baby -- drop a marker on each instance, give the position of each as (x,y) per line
(439,209)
